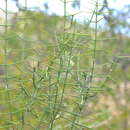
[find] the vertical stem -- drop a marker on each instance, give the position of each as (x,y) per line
(56,96)
(95,43)
(5,62)
(55,112)
(64,16)
(23,46)
(84,98)
(23,56)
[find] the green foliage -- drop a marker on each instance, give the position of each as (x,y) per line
(54,72)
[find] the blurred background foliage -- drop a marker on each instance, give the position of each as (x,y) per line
(39,57)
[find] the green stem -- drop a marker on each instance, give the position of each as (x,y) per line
(85,98)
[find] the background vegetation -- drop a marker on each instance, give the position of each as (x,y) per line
(59,74)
